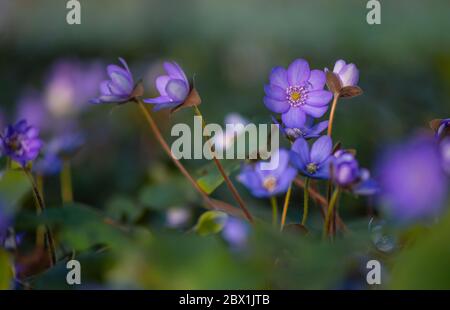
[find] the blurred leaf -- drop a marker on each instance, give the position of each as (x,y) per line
(425,265)
(82,227)
(173,192)
(175,261)
(211,222)
(212,178)
(6,270)
(14,186)
(122,208)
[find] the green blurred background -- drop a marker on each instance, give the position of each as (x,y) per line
(231,47)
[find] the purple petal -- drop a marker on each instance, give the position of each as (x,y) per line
(321,149)
(177,90)
(285,180)
(338,66)
(104,88)
(318,128)
(278,77)
(283,160)
(319,98)
(276,106)
(349,75)
(301,148)
(175,71)
(298,72)
(367,187)
(120,78)
(124,63)
(314,111)
(161,83)
(158,100)
(317,79)
(324,169)
(275,92)
(294,118)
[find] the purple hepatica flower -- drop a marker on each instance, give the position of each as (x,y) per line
(347,73)
(235,232)
(21,142)
(268,183)
(173,88)
(413,184)
(31,107)
(119,88)
(445,154)
(348,175)
(297,92)
(315,163)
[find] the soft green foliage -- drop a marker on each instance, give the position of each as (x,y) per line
(6,270)
(425,264)
(210,222)
(14,186)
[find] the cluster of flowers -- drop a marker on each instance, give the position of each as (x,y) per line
(298,94)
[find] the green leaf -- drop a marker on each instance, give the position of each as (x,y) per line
(123,208)
(210,222)
(82,227)
(6,270)
(425,264)
(212,178)
(14,186)
(172,192)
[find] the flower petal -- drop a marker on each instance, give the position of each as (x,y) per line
(298,72)
(319,98)
(294,118)
(321,149)
(318,128)
(285,180)
(317,79)
(161,83)
(300,151)
(349,75)
(276,106)
(278,77)
(177,90)
(339,65)
(314,111)
(324,169)
(275,92)
(175,71)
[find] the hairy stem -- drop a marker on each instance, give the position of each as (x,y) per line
(333,110)
(305,201)
(227,180)
(285,207)
(177,163)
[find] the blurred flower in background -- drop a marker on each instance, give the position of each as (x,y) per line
(413,183)
(31,107)
(177,217)
(70,85)
(236,232)
(445,154)
(225,139)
